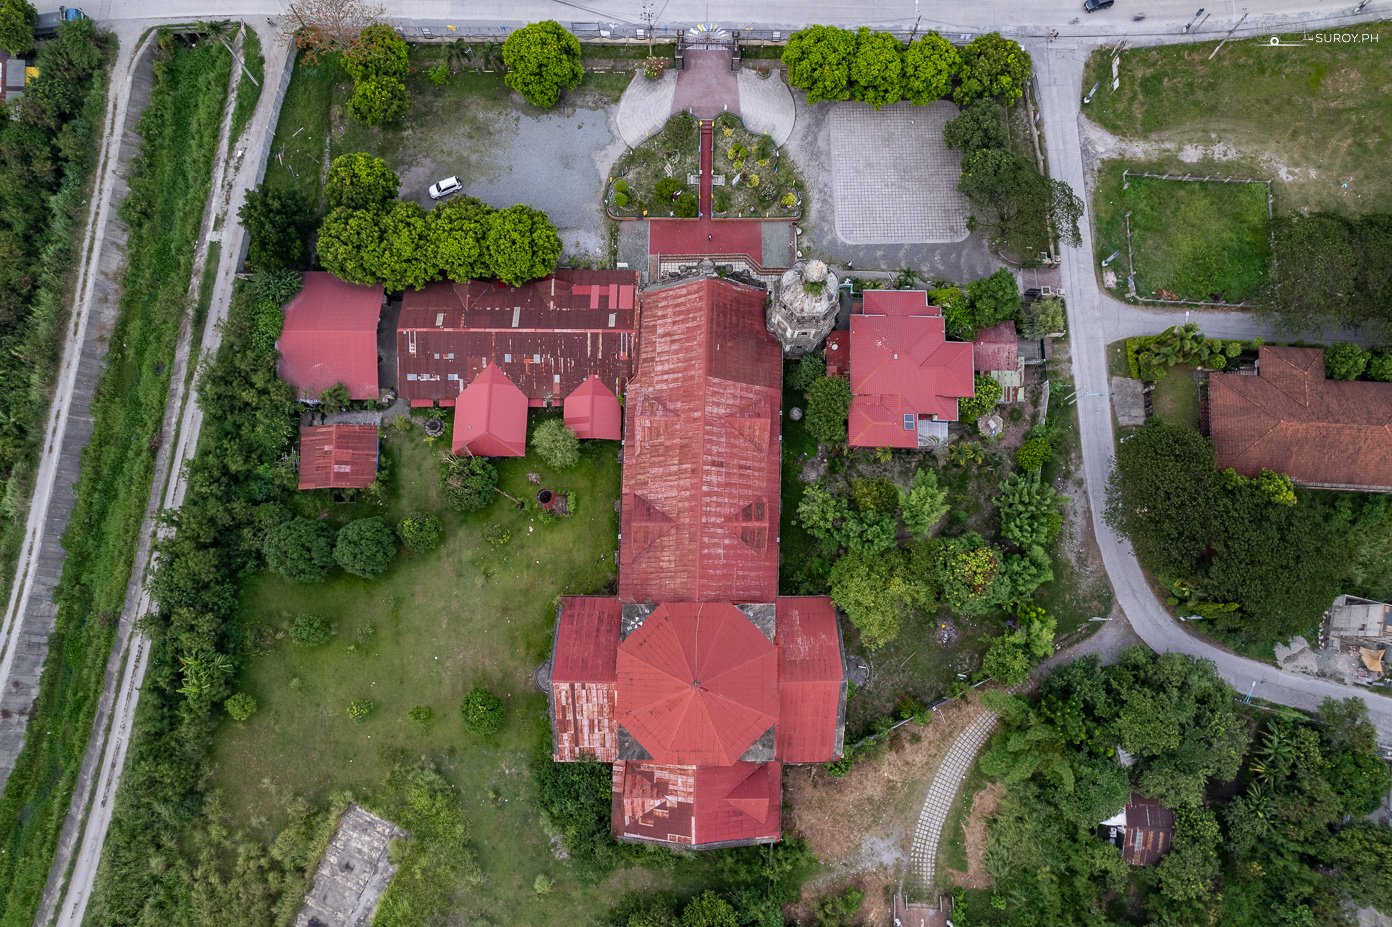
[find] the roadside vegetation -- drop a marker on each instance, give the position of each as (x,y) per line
(252,85)
(1268,809)
(164,210)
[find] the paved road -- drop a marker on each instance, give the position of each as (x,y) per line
(1094,319)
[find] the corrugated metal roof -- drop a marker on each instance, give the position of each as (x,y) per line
(903,367)
(996,347)
(812,681)
(701,456)
(592,411)
(698,684)
(587,639)
(338,456)
(1149,831)
(1290,419)
(490,417)
(330,337)
(582,718)
(697,806)
(547,335)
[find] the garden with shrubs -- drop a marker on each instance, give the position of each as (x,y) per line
(651,180)
(759,181)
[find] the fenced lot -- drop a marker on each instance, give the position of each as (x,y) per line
(1208,241)
(1314,118)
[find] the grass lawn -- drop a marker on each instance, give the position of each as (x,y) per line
(441,622)
(1176,397)
(1208,241)
(249,90)
(297,151)
(1317,116)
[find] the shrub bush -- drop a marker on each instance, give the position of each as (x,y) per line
(240,707)
(1344,360)
(365,547)
(300,551)
(988,393)
(468,483)
(1380,367)
(421,714)
(420,531)
(482,712)
(620,200)
(808,370)
(828,405)
(360,708)
(686,206)
(667,189)
(1034,453)
(621,186)
(310,630)
(556,444)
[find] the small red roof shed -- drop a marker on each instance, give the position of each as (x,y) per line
(330,337)
(903,369)
(697,806)
(338,456)
(996,347)
(592,411)
(490,417)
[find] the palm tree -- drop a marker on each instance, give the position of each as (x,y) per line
(457,54)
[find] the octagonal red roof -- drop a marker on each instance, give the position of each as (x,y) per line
(697,684)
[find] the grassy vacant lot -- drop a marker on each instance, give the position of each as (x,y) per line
(440,622)
(1191,240)
(1316,118)
(1176,397)
(164,209)
(297,151)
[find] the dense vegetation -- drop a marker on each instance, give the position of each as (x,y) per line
(543,60)
(1257,557)
(1267,811)
(1333,270)
(163,211)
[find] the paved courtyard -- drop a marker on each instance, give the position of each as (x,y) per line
(895,155)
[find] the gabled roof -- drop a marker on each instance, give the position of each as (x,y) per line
(338,456)
(996,347)
(490,417)
(697,684)
(592,411)
(811,681)
(903,368)
(1149,831)
(701,456)
(700,807)
(548,335)
(1328,433)
(330,337)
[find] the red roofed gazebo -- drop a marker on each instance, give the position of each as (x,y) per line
(330,337)
(338,456)
(490,417)
(592,411)
(697,684)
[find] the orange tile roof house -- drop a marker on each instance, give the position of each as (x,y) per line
(338,456)
(906,377)
(330,337)
(698,681)
(1329,434)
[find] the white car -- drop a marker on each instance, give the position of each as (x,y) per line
(442,188)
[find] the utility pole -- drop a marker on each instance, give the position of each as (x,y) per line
(1234,29)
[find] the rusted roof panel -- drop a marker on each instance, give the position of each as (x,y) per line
(996,347)
(583,717)
(697,806)
(338,456)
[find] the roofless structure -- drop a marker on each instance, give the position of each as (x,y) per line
(698,681)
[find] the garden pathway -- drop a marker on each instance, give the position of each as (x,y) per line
(645,107)
(943,792)
(706,87)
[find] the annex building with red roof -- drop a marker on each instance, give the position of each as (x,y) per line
(906,377)
(698,681)
(338,456)
(330,337)
(996,353)
(1329,434)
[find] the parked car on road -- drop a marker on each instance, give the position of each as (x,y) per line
(443,188)
(1092,6)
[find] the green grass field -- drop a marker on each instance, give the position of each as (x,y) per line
(164,210)
(1176,397)
(1315,117)
(1206,241)
(297,150)
(252,83)
(442,621)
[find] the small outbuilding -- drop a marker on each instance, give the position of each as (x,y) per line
(1143,830)
(330,337)
(490,417)
(592,411)
(338,456)
(996,353)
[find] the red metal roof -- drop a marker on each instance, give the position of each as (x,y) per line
(996,347)
(592,411)
(838,353)
(812,681)
(587,639)
(338,456)
(490,417)
(583,691)
(330,337)
(1289,418)
(903,368)
(700,807)
(701,456)
(698,684)
(548,336)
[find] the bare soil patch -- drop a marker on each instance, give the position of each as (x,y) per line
(983,805)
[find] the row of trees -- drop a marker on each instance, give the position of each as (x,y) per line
(369,236)
(830,63)
(1274,849)
(305,550)
(1012,201)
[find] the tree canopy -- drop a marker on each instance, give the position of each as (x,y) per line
(828,405)
(17,20)
(556,444)
(378,51)
(819,60)
(522,244)
(300,550)
(930,64)
(468,483)
(543,59)
(358,180)
(459,238)
(277,222)
(993,67)
(877,69)
(365,547)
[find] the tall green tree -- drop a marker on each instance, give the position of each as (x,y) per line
(300,550)
(930,64)
(877,592)
(543,59)
(925,504)
(819,60)
(379,101)
(877,70)
(458,230)
(378,51)
(828,405)
(365,547)
(979,125)
(17,20)
(522,244)
(351,244)
(359,180)
(407,248)
(993,67)
(278,222)
(556,444)
(1029,510)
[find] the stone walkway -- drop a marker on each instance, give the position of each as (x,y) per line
(645,107)
(943,792)
(706,87)
(766,105)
